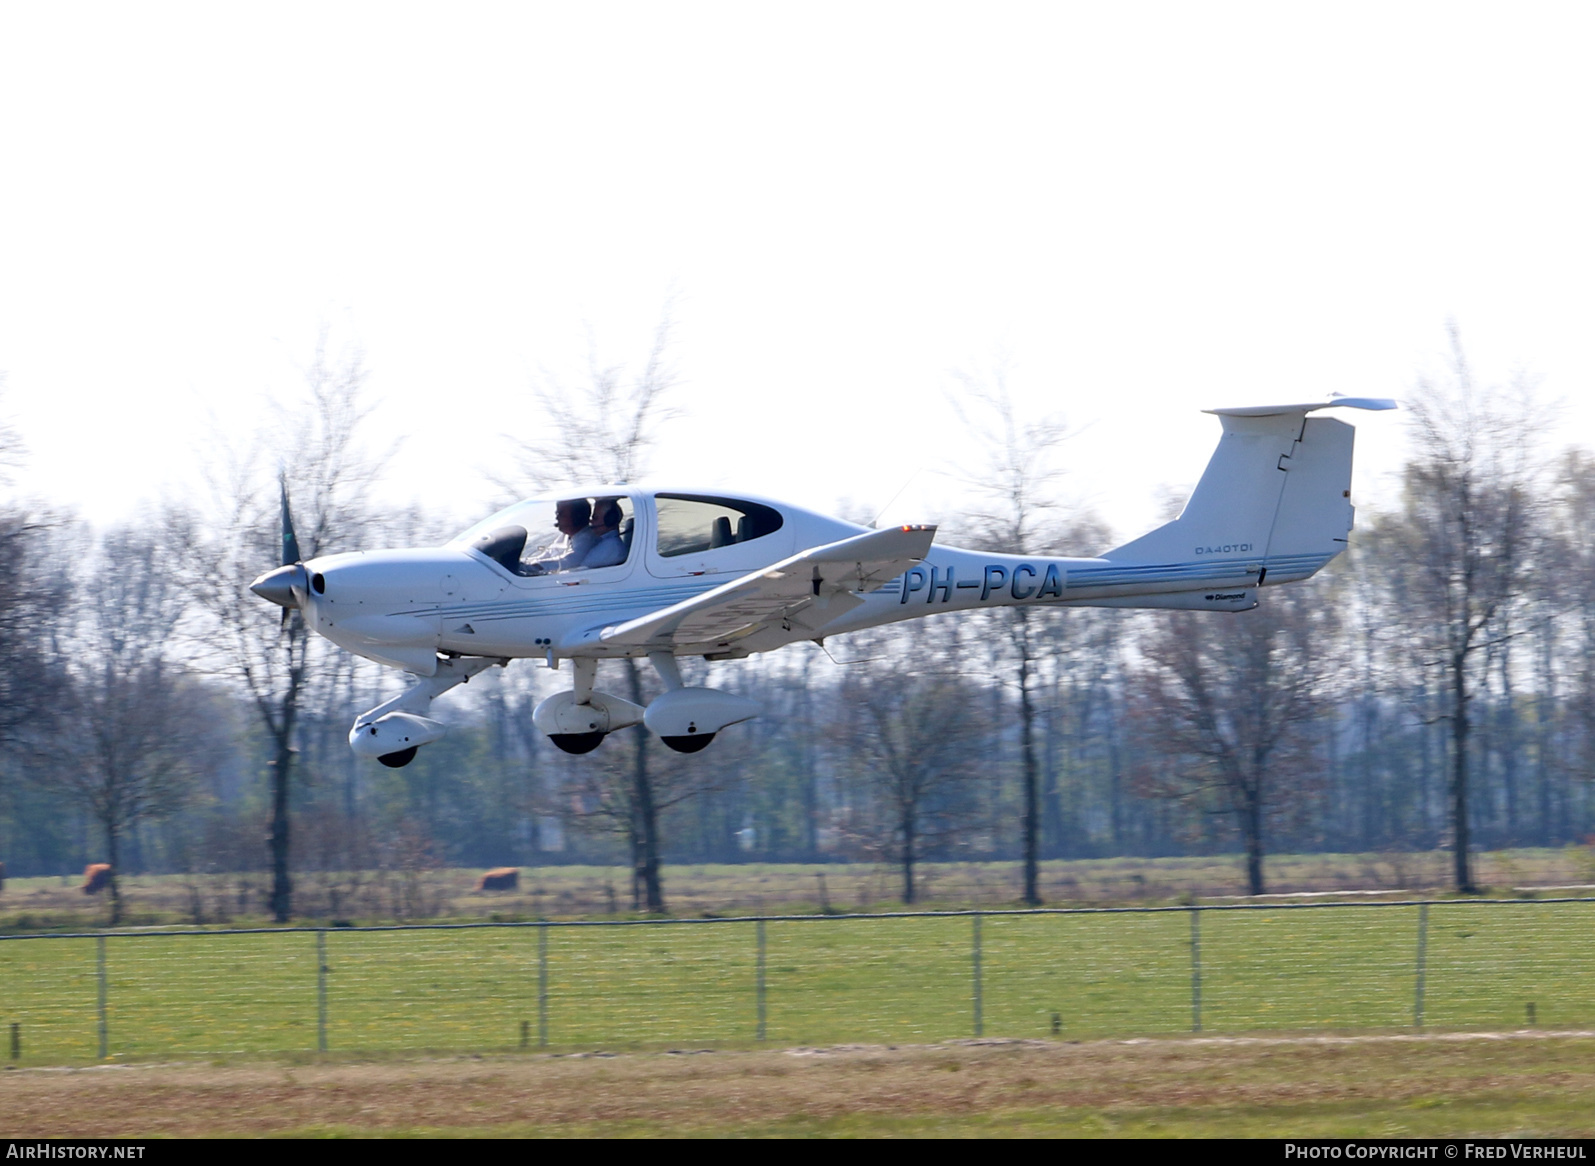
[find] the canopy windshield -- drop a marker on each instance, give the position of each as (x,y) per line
(545,536)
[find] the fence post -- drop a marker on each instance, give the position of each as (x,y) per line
(1423,951)
(759,984)
(99,959)
(542,985)
(1196,969)
(980,1023)
(321,990)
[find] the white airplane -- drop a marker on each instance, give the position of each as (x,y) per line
(705,574)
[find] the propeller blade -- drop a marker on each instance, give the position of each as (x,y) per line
(290,541)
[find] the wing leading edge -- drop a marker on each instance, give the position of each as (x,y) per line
(802,593)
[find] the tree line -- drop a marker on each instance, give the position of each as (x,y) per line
(1431,689)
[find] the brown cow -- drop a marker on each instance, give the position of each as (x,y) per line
(500,878)
(96,877)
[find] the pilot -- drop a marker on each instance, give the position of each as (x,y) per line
(608,550)
(576,540)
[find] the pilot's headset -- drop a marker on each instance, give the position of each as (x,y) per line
(611,514)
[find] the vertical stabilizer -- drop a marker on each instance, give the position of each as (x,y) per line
(1231,511)
(1275,496)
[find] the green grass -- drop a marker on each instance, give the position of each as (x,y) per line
(48,987)
(827,981)
(1485,965)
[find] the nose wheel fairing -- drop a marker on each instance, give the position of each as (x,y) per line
(395,730)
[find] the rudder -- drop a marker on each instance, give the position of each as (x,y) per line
(1315,511)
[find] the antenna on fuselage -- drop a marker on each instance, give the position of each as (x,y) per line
(846,663)
(876,521)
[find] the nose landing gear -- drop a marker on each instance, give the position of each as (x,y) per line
(395,730)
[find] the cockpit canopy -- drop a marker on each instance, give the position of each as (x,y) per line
(685,534)
(549,536)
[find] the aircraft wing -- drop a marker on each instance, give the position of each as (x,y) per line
(802,593)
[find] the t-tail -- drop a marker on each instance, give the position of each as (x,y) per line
(1273,506)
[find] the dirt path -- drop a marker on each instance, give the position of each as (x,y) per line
(1418,1085)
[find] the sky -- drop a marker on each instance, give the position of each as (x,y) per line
(1137,210)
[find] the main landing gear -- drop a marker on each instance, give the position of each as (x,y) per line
(685,719)
(578,720)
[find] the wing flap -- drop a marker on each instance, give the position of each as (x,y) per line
(803,592)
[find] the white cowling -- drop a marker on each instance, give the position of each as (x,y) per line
(394,733)
(603,713)
(687,712)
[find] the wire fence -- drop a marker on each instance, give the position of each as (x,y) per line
(895,978)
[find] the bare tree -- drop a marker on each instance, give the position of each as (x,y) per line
(1082,658)
(1566,587)
(625,792)
(33,594)
(918,737)
(1224,701)
(1468,523)
(602,430)
(267,652)
(10,443)
(1016,501)
(135,732)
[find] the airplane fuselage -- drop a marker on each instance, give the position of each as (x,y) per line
(402,607)
(615,571)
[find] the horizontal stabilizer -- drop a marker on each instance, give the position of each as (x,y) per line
(1333,401)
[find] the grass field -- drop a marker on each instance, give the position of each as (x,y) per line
(1503,1085)
(764,888)
(826,981)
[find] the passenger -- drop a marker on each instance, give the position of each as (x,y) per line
(608,550)
(576,540)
